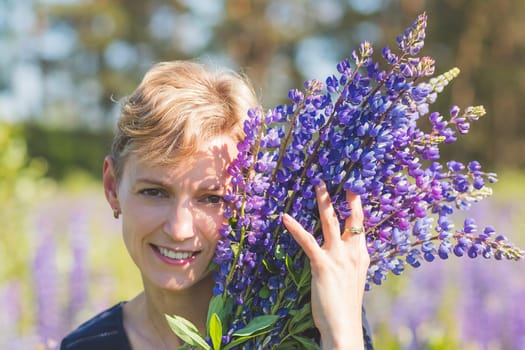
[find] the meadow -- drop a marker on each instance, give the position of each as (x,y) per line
(62,260)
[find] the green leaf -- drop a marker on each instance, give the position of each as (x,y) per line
(306,274)
(268,267)
(213,266)
(301,277)
(257,324)
(301,320)
(289,266)
(279,253)
(264,293)
(226,311)
(289,344)
(297,343)
(306,343)
(235,248)
(233,222)
(216,331)
(187,331)
(215,307)
(241,340)
(302,325)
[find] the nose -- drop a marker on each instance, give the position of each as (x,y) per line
(179,224)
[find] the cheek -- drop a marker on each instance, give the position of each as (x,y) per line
(209,224)
(139,220)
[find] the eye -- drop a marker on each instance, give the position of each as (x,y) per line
(212,199)
(153,192)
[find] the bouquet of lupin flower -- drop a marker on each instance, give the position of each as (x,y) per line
(360,133)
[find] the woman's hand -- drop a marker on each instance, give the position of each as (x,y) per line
(339,270)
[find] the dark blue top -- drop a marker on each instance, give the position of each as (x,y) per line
(106,332)
(103,332)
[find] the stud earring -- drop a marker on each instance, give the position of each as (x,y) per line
(116,213)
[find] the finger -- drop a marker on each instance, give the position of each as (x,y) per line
(356,242)
(305,240)
(355,220)
(329,222)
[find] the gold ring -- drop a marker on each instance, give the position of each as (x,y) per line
(356,230)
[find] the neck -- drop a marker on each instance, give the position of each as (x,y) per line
(153,304)
(191,303)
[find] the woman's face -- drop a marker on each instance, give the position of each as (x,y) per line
(171,214)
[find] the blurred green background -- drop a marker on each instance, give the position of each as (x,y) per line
(65,64)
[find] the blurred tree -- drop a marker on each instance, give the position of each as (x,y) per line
(69,151)
(276,43)
(486,40)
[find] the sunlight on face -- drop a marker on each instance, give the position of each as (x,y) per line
(171,214)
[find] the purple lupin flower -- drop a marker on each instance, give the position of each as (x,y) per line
(360,133)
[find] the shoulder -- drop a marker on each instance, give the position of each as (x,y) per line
(367,334)
(104,331)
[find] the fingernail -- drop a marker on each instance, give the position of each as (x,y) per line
(321,186)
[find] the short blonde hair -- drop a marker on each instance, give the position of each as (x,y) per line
(178,105)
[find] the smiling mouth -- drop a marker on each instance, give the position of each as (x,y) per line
(175,255)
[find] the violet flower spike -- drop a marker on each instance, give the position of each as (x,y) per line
(360,130)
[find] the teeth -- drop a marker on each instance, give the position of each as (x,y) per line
(175,255)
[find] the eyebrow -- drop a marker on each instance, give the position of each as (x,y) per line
(208,186)
(204,185)
(152,181)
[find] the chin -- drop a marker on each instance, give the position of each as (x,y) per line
(175,284)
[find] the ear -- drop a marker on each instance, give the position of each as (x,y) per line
(110,183)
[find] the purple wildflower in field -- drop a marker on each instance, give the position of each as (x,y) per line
(46,282)
(78,277)
(488,314)
(357,131)
(11,304)
(458,305)
(412,314)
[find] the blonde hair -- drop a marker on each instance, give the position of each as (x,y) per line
(177,106)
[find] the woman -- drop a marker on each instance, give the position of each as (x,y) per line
(167,177)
